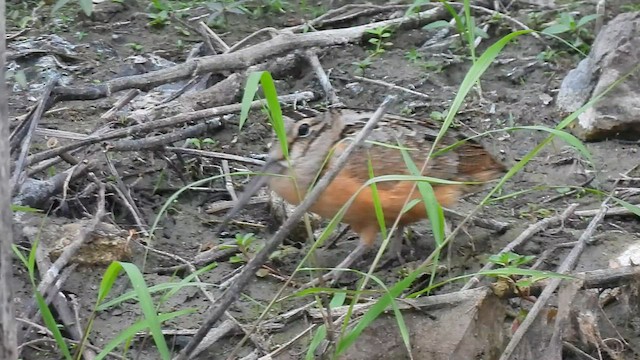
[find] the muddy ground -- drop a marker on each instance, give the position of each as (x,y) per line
(516,90)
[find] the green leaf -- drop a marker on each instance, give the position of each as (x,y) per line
(144,299)
(59,4)
(633,208)
(318,337)
(250,90)
(51,324)
(433,208)
(568,138)
(27,209)
(437,25)
(556,29)
(268,87)
(337,300)
(148,309)
(87,6)
(137,327)
(585,19)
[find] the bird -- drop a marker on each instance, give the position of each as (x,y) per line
(317,139)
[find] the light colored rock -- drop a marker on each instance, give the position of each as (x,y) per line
(615,52)
(470,327)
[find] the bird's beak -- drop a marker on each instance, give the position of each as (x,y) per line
(272,166)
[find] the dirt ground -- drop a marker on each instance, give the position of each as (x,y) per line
(516,90)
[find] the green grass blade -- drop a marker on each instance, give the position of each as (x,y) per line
(109,277)
(132,295)
(565,136)
(377,204)
(381,305)
(474,74)
(633,208)
(175,196)
(51,324)
(430,202)
(250,90)
(20,255)
(137,327)
(318,337)
(268,87)
(148,309)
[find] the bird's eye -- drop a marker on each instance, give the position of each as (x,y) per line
(304,130)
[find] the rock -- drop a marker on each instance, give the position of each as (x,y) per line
(105,11)
(469,327)
(107,243)
(615,52)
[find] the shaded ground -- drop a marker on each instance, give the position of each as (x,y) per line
(516,90)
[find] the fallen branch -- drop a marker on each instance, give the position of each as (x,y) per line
(241,59)
(160,124)
(24,138)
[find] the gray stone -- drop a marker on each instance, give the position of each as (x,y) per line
(615,52)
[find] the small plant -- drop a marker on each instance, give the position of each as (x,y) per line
(433,66)
(438,115)
(80,35)
(462,27)
(380,35)
(221,9)
(414,8)
(630,7)
(243,243)
(510,259)
(135,47)
(276,6)
(575,31)
(312,11)
(363,65)
(378,40)
(413,56)
(200,143)
(85,5)
(548,55)
(160,17)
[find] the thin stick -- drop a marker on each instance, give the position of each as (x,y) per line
(223,45)
(228,183)
(8,335)
(329,91)
(162,123)
(392,86)
(124,100)
(123,191)
(18,176)
(564,268)
(214,155)
(233,292)
(531,230)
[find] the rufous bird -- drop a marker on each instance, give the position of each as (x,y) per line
(315,142)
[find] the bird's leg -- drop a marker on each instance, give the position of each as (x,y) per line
(395,248)
(335,274)
(367,238)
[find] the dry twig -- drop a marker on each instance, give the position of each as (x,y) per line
(564,268)
(531,230)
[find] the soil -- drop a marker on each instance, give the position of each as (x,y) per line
(516,90)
